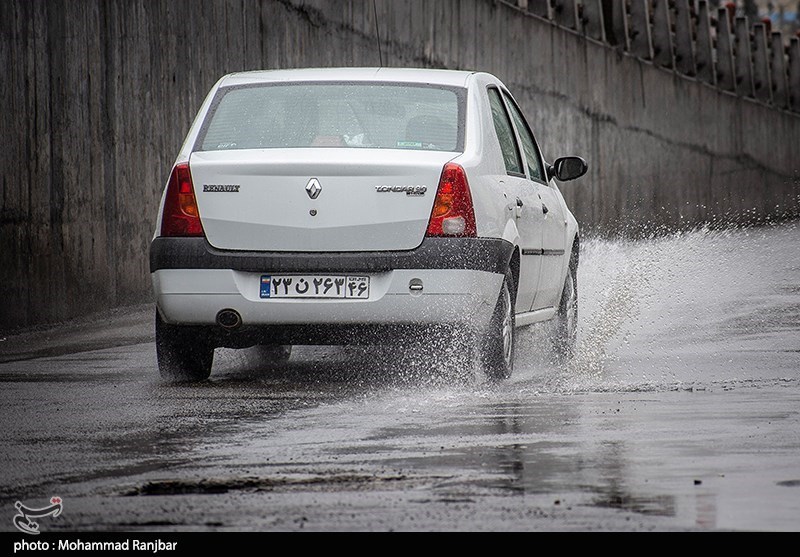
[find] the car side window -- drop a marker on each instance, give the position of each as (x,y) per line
(532,155)
(505,133)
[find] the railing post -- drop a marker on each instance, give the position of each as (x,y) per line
(778,62)
(565,13)
(684,43)
(726,78)
(703,48)
(616,23)
(663,53)
(641,39)
(744,63)
(762,83)
(592,16)
(794,74)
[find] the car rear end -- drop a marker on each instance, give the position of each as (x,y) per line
(311,209)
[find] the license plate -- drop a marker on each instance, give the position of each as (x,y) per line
(314,286)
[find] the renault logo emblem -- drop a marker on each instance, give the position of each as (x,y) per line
(313,189)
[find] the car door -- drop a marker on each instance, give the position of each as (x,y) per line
(552,219)
(522,201)
(554,249)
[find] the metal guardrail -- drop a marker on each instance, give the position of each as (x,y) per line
(689,37)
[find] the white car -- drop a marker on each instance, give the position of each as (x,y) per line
(335,206)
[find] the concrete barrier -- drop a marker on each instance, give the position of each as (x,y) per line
(99,94)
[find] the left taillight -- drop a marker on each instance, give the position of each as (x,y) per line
(181,215)
(453,213)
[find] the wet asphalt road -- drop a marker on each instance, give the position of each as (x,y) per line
(681,412)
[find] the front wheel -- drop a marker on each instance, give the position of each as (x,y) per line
(182,356)
(499,343)
(565,332)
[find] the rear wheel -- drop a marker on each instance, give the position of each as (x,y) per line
(565,332)
(273,353)
(499,343)
(181,355)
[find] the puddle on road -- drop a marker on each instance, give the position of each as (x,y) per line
(211,486)
(663,505)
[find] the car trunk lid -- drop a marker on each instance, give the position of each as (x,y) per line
(316,199)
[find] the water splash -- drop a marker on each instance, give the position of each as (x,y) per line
(680,308)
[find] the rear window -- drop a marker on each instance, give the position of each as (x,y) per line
(351,115)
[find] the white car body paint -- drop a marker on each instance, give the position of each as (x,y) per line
(251,223)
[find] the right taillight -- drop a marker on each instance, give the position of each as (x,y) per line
(453,213)
(181,216)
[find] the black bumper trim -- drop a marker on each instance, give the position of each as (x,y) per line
(480,254)
(543,252)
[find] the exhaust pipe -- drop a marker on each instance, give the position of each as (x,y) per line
(229,319)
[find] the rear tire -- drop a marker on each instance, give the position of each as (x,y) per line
(273,353)
(565,333)
(499,342)
(181,355)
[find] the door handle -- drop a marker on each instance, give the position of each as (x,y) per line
(545,210)
(518,208)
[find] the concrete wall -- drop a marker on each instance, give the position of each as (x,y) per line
(98,94)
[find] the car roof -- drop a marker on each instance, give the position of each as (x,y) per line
(454,78)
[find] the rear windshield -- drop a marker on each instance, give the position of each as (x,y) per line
(354,115)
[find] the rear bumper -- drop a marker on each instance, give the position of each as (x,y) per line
(195,296)
(461,280)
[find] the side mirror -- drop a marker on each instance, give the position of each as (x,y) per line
(568,168)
